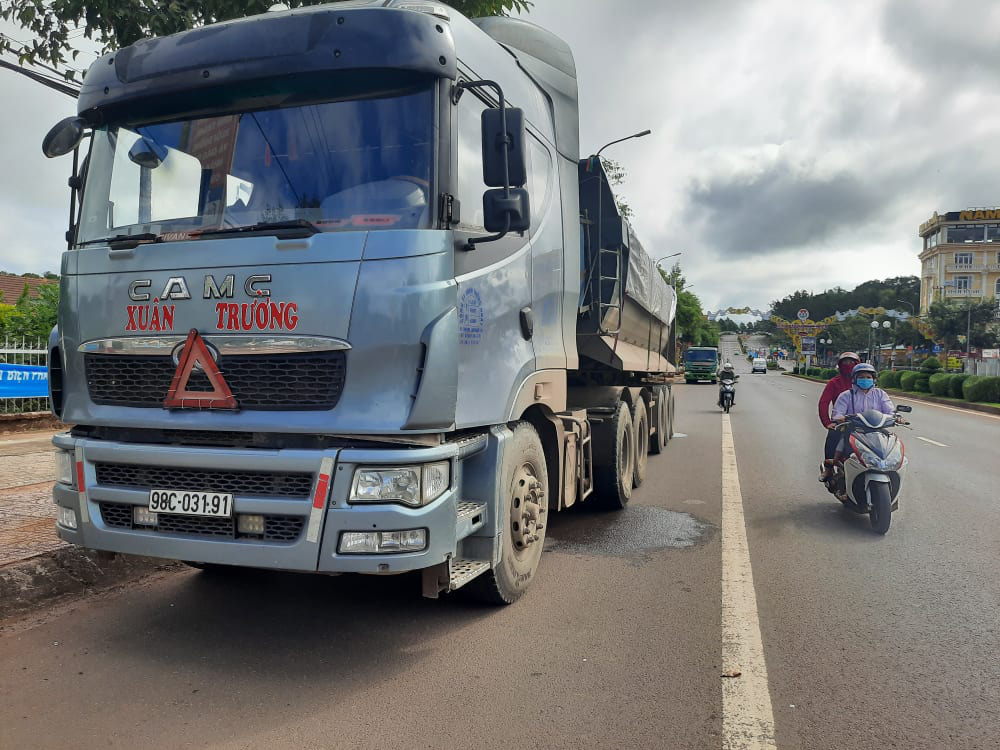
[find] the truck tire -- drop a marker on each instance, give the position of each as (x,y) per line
(524,482)
(640,422)
(614,461)
(661,431)
(670,413)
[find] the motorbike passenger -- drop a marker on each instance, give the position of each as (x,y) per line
(834,387)
(727,375)
(862,395)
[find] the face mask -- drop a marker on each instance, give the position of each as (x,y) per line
(846,368)
(865,383)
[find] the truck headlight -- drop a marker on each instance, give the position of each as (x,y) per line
(65,467)
(409,485)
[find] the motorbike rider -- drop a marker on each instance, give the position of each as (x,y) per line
(727,375)
(834,387)
(862,395)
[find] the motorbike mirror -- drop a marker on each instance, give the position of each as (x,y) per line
(904,408)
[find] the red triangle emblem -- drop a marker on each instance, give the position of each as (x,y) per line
(179,397)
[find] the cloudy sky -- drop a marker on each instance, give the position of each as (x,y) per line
(796,144)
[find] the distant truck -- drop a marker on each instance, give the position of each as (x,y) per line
(701,363)
(341,297)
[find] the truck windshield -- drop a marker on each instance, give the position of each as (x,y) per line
(359,164)
(700,356)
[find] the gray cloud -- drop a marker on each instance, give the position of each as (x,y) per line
(945,40)
(779,208)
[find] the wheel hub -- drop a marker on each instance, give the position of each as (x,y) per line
(526,508)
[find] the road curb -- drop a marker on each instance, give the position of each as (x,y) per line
(964,405)
(70,571)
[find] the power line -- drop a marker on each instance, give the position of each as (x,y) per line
(52,83)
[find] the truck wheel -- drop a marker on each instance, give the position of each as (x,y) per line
(658,440)
(670,412)
(615,460)
(524,507)
(640,421)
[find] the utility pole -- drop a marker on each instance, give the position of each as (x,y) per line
(968,331)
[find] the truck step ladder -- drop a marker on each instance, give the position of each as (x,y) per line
(470,517)
(609,278)
(462,571)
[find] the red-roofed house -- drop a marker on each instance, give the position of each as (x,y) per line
(13,286)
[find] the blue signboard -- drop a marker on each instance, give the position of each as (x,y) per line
(937,348)
(24,381)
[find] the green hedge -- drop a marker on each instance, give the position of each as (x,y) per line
(829,372)
(931,365)
(981,388)
(955,385)
(907,379)
(940,383)
(922,383)
(889,379)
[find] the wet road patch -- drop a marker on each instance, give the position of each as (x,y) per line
(637,531)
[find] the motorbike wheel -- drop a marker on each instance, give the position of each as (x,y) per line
(881,510)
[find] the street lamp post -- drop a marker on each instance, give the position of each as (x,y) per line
(892,352)
(871,345)
(619,140)
(968,334)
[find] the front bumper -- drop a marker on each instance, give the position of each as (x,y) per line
(320,517)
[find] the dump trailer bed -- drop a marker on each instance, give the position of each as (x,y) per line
(627,309)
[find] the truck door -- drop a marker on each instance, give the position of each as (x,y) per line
(494,285)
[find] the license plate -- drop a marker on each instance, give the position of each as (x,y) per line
(191,503)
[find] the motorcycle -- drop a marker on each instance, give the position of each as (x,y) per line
(727,394)
(869,479)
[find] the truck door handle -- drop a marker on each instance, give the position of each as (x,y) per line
(527,323)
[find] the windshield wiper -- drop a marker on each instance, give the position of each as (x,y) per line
(293,228)
(123,241)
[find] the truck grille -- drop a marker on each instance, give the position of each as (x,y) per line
(256,483)
(309,381)
(276,528)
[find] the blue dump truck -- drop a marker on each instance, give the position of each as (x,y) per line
(341,296)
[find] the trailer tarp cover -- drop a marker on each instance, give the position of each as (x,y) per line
(645,285)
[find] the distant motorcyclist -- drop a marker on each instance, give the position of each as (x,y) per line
(862,395)
(834,387)
(727,375)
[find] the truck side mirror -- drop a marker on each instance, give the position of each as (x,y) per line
(503,213)
(147,153)
(500,145)
(64,136)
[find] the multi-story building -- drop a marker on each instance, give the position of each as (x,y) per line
(960,259)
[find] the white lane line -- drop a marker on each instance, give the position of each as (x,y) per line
(895,397)
(932,442)
(747,717)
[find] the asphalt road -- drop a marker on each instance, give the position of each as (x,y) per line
(869,641)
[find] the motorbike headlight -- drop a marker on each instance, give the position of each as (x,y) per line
(867,456)
(409,485)
(895,458)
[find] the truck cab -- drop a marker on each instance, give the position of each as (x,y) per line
(701,363)
(321,301)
